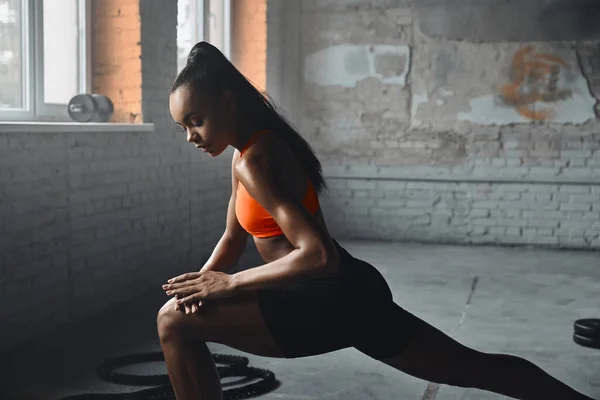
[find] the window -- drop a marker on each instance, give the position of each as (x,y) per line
(44,57)
(199,20)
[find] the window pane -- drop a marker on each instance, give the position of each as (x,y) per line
(199,20)
(216,24)
(11,65)
(61,43)
(187,29)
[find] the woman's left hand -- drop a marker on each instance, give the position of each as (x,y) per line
(195,286)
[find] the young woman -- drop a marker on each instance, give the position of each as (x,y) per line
(312,296)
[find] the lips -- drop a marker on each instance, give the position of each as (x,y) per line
(204,148)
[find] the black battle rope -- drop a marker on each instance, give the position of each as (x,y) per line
(234,366)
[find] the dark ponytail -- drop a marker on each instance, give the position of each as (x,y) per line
(208,70)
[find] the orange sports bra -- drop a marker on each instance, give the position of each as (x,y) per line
(253,217)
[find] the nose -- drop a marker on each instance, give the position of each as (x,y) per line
(190,136)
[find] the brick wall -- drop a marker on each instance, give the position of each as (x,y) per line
(466,212)
(249,39)
(411,149)
(89,220)
(249,55)
(116,56)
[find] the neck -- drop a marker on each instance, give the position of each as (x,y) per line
(248,127)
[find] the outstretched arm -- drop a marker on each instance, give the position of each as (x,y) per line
(226,254)
(232,244)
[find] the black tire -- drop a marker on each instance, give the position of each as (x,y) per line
(586,342)
(234,366)
(588,327)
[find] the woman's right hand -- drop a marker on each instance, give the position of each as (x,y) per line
(189,308)
(192,307)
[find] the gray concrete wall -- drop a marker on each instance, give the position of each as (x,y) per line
(428,138)
(92,219)
(502,21)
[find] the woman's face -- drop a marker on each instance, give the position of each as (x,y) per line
(210,125)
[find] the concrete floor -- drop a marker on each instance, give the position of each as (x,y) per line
(524,303)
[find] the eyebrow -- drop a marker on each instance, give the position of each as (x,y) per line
(188,115)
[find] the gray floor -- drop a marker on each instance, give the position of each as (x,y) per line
(524,303)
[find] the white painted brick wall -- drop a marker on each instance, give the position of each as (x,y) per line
(562,214)
(91,220)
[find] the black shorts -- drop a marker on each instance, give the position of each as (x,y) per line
(350,308)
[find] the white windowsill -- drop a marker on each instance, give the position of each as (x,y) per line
(36,127)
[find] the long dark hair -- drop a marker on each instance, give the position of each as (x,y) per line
(208,70)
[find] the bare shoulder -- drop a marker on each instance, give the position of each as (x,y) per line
(258,159)
(268,153)
(271,161)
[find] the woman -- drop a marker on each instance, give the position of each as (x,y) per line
(311,296)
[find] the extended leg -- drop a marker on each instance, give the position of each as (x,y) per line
(433,356)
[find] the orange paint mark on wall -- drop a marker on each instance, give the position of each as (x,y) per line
(534,78)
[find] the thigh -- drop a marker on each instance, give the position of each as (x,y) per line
(350,308)
(236,322)
(308,319)
(327,314)
(384,329)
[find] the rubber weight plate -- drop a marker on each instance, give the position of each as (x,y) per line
(586,342)
(90,108)
(82,108)
(588,327)
(104,110)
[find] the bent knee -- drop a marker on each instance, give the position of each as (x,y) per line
(169,322)
(165,311)
(177,325)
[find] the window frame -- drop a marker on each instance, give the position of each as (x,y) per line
(34,108)
(203,17)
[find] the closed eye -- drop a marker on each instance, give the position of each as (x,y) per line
(199,123)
